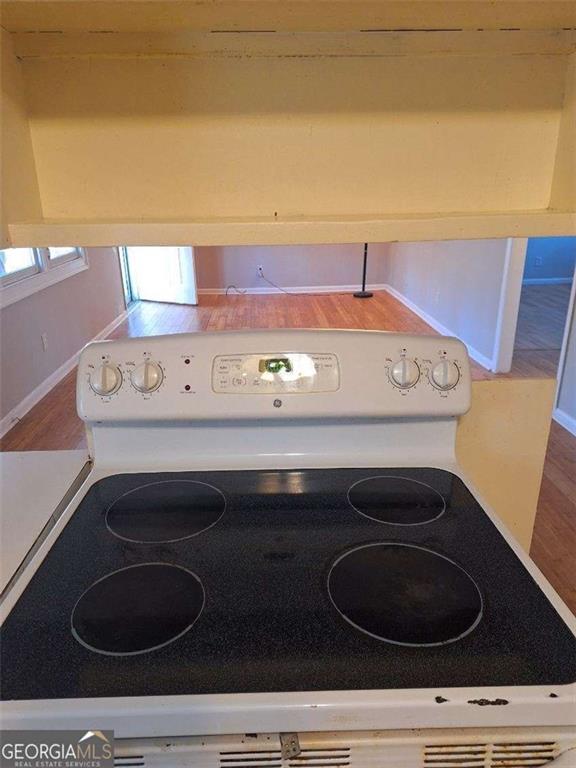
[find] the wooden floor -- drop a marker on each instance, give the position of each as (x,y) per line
(542,316)
(554,540)
(540,329)
(535,364)
(53,424)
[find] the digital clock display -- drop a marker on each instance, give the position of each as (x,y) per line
(275,365)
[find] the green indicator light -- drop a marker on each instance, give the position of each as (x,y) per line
(276,365)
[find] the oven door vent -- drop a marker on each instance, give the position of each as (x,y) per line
(129,761)
(518,755)
(321,758)
(308,758)
(251,758)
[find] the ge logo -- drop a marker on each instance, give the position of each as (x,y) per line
(277,403)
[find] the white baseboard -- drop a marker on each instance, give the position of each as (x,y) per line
(547,281)
(474,354)
(20,410)
(566,421)
(268,289)
(105,332)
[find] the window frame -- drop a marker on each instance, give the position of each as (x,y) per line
(48,273)
(23,274)
(57,261)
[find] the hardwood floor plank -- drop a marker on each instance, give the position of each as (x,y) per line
(541,320)
(554,541)
(51,425)
(542,316)
(535,363)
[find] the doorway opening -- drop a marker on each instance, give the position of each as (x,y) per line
(544,305)
(159,273)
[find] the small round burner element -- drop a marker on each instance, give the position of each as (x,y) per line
(164,512)
(137,609)
(404,594)
(396,500)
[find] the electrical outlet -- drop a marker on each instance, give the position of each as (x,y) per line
(44,338)
(260,270)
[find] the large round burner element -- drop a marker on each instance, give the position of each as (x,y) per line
(165,512)
(138,609)
(396,500)
(404,594)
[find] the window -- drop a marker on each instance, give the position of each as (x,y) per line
(24,271)
(62,255)
(18,263)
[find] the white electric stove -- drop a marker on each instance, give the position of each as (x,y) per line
(276,561)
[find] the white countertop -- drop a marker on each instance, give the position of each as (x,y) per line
(32,486)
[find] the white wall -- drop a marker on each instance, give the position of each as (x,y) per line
(455,283)
(566,405)
(296,266)
(70,312)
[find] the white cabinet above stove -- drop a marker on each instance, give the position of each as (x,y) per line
(273,375)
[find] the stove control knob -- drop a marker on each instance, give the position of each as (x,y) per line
(147,376)
(105,379)
(445,375)
(405,373)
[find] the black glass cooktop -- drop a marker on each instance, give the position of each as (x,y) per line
(224,582)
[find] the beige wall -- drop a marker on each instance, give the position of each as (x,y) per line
(184,137)
(288,266)
(70,312)
(456,282)
(564,186)
(19,193)
(501,445)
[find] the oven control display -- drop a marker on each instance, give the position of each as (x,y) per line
(275,373)
(275,365)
